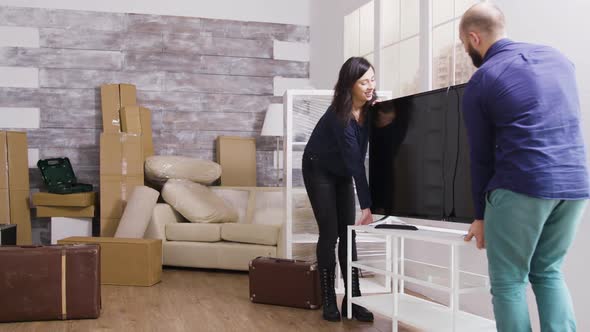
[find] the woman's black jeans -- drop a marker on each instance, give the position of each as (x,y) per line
(333,202)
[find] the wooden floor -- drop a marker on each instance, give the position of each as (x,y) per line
(197,300)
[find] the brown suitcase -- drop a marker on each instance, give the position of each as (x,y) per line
(285,282)
(49,282)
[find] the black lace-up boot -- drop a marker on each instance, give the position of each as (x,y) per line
(358,312)
(330,308)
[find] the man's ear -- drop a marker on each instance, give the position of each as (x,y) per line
(474,38)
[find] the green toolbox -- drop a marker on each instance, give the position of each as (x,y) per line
(59,177)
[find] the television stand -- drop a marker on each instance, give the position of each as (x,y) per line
(414,311)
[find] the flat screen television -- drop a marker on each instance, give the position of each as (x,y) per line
(419,157)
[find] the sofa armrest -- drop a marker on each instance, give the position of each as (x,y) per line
(162,215)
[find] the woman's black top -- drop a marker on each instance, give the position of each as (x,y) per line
(341,149)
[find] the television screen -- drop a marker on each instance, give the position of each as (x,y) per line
(419,157)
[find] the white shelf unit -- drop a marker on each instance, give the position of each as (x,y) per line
(367,285)
(419,313)
(302,109)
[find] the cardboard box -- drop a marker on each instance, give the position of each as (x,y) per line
(62,228)
(130,120)
(14,160)
(121,154)
(114,192)
(127,262)
(145,117)
(14,184)
(72,200)
(237,157)
(138,120)
(3,161)
(20,215)
(108,226)
(18,160)
(4,207)
(66,211)
(113,98)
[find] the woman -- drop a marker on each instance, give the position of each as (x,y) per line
(334,155)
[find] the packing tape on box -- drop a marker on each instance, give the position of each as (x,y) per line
(7,172)
(123,191)
(123,139)
(64,313)
(6,167)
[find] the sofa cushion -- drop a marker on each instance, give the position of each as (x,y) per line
(269,216)
(216,255)
(250,233)
(159,169)
(197,203)
(193,232)
(238,198)
(269,208)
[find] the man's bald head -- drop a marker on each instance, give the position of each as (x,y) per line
(484,18)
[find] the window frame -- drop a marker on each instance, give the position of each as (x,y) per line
(425,34)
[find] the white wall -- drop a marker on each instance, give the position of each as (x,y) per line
(327,39)
(274,11)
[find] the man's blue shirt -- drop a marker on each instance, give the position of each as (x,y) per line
(522,115)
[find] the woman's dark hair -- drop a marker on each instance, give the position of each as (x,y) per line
(353,69)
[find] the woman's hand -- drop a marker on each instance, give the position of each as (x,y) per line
(366,217)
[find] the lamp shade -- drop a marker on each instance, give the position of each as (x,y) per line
(273,121)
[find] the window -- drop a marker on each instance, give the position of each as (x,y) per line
(400,46)
(359,32)
(450,63)
(404,47)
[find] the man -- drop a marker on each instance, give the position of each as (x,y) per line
(528,168)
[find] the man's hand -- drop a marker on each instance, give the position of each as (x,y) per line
(476,230)
(366,217)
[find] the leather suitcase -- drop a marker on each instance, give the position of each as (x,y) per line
(285,282)
(49,282)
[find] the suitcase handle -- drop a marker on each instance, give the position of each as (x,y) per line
(285,260)
(279,260)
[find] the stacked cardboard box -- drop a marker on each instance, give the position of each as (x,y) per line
(113,98)
(138,120)
(71,214)
(14,184)
(78,205)
(237,157)
(124,144)
(121,170)
(128,262)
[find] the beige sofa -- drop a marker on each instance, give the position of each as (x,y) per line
(258,232)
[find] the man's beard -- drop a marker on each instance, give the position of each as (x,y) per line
(476,58)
